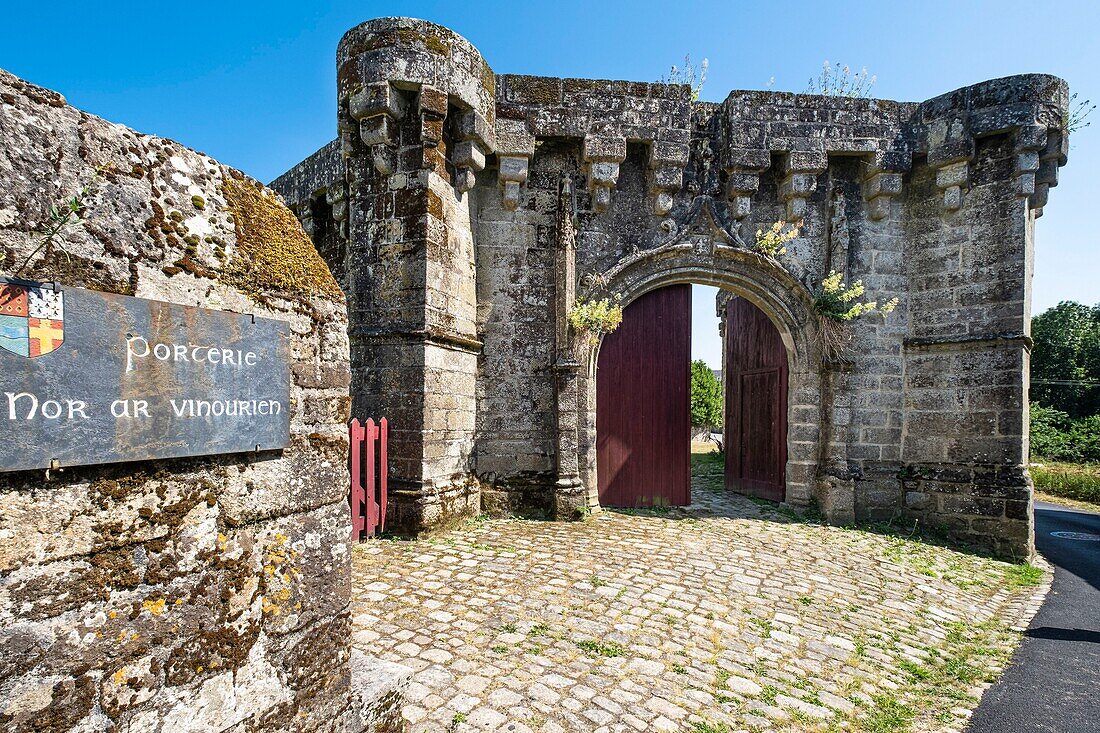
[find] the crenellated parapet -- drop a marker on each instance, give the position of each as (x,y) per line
(799,132)
(1030,107)
(601,117)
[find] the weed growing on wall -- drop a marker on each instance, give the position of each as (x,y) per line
(836,80)
(772,242)
(689,74)
(837,304)
(62,216)
(836,301)
(591,319)
(1076,114)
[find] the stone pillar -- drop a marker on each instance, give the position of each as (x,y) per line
(569,493)
(420,99)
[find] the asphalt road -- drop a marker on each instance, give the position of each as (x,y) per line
(1053,682)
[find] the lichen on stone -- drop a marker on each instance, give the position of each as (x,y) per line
(273,254)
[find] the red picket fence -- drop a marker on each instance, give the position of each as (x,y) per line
(368,477)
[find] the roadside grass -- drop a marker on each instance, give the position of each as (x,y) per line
(1023,575)
(1074,481)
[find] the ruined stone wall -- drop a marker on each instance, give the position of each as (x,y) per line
(201,594)
(931,203)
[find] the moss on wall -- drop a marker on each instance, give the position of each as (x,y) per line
(273,253)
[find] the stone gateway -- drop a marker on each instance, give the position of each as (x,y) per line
(456,222)
(464,211)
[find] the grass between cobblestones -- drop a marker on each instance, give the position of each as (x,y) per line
(935,689)
(731,615)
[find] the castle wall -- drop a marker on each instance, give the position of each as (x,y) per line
(196,594)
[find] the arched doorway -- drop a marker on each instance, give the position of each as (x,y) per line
(787,305)
(643,422)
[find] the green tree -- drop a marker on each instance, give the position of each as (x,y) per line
(706,396)
(1065,359)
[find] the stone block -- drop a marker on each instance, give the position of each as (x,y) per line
(432,102)
(378,130)
(604,148)
(468,154)
(513,168)
(604,173)
(375,99)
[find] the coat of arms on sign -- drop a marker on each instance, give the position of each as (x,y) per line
(32,318)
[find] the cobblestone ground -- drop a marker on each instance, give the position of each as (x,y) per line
(726,616)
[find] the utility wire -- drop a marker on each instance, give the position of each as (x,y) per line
(1066,381)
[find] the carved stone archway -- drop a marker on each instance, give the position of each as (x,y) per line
(788,304)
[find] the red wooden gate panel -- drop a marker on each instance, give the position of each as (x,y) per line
(756,403)
(643,403)
(368,465)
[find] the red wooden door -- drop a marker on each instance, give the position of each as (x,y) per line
(643,407)
(756,403)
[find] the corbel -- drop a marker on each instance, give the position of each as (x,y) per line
(602,156)
(666,172)
(474,139)
(800,170)
(336,196)
(950,155)
(376,108)
(743,168)
(1051,158)
(515,147)
(1028,146)
(305,218)
(880,182)
(432,105)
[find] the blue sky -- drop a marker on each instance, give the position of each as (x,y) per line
(253,84)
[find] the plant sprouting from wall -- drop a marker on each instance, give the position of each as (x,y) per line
(837,301)
(837,304)
(60,217)
(689,74)
(836,80)
(772,242)
(1076,114)
(591,319)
